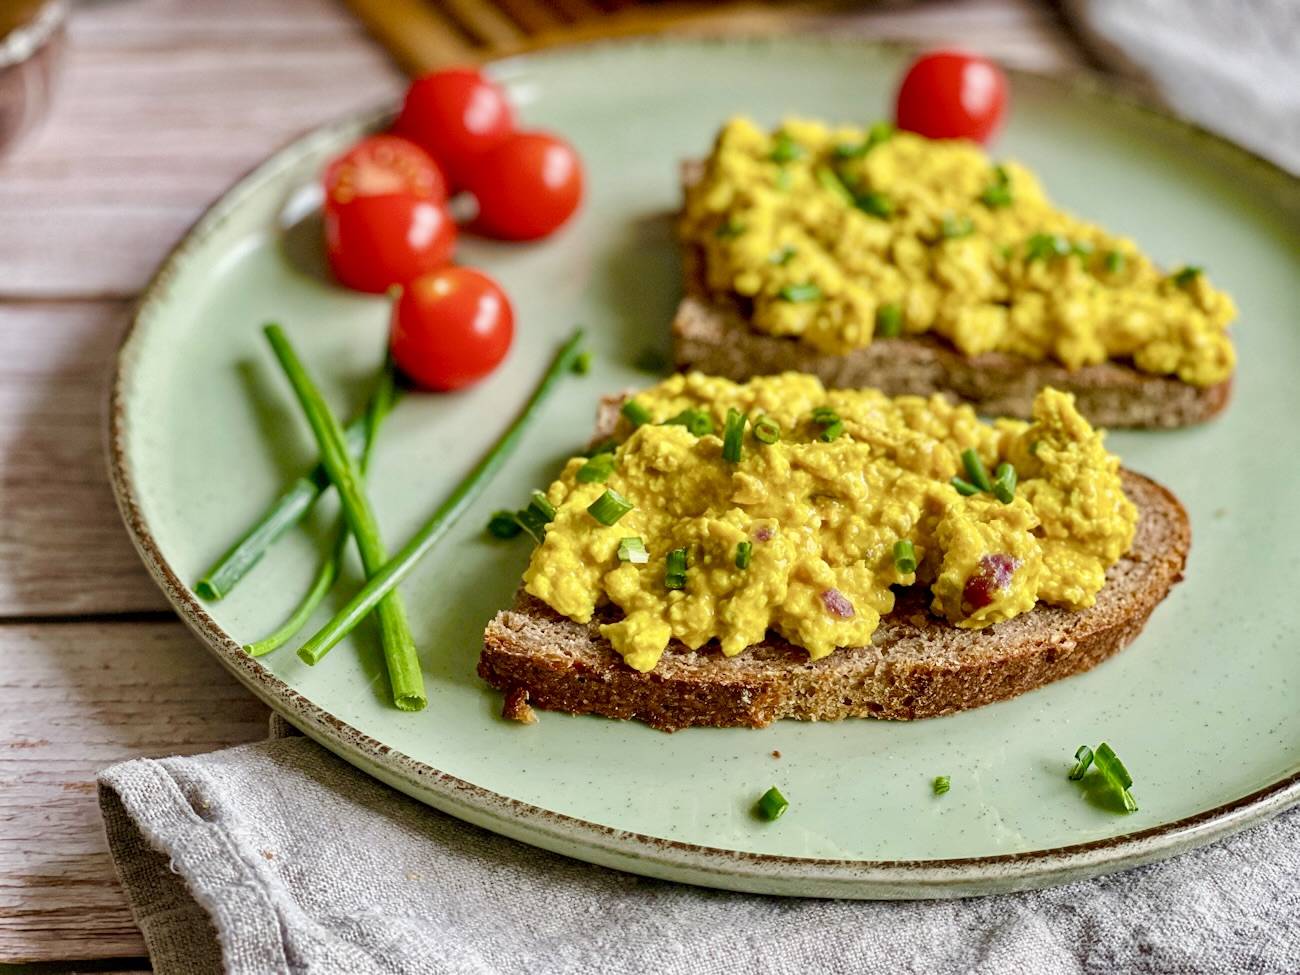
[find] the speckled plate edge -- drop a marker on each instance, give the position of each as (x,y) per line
(592,842)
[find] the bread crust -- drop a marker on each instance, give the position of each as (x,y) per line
(916,666)
(711,333)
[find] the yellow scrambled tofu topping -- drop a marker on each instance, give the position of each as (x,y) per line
(839,234)
(821,512)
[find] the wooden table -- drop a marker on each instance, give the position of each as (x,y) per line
(164,103)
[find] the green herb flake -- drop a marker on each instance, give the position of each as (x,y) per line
(1082,761)
(1114,261)
(733,436)
(503,525)
(637,414)
(675,569)
(597,470)
(729,229)
(786,149)
(766,430)
(1185,276)
(953,227)
(699,423)
(831,182)
(1004,483)
(876,204)
(772,805)
(998,192)
(801,292)
(830,422)
(889,321)
(904,556)
(633,550)
(651,360)
(976,472)
(1043,246)
(609,507)
(744,553)
(941,784)
(581,363)
(782,255)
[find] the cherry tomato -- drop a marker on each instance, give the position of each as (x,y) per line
(385,220)
(527,186)
(456,115)
(451,328)
(952,95)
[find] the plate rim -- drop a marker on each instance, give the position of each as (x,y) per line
(580,838)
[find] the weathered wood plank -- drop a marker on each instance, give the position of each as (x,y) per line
(74,698)
(63,549)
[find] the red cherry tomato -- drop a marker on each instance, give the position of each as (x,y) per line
(385,222)
(952,95)
(526,187)
(451,328)
(456,115)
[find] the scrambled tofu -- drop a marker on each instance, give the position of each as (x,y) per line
(836,235)
(807,534)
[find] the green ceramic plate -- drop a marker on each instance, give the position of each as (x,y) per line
(1202,707)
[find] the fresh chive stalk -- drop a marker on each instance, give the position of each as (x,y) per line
(597,470)
(744,554)
(830,422)
(540,503)
(609,507)
(287,510)
(381,583)
(889,321)
(1004,483)
(404,675)
(381,402)
(964,488)
(1082,761)
(503,525)
(733,436)
(904,556)
(766,430)
(1109,765)
(941,784)
(675,569)
(976,473)
(698,422)
(635,412)
(633,550)
(771,805)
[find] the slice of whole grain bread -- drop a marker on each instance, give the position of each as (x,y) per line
(711,334)
(917,665)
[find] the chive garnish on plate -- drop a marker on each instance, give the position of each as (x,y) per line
(1082,762)
(609,507)
(582,363)
(637,414)
(1004,483)
(381,583)
(766,430)
(976,473)
(633,550)
(744,553)
(504,525)
(771,805)
(941,784)
(889,321)
(1109,765)
(675,569)
(733,436)
(904,556)
(596,470)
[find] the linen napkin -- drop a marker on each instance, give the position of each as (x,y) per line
(278,857)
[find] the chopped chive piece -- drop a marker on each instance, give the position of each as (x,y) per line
(942,783)
(772,805)
(1042,246)
(697,421)
(964,488)
(975,470)
(878,133)
(786,149)
(730,228)
(876,204)
(782,255)
(542,505)
(675,571)
(651,360)
(904,556)
(597,470)
(1082,248)
(995,196)
(766,430)
(633,550)
(606,446)
(831,182)
(1114,261)
(582,363)
(744,552)
(830,422)
(1109,765)
(532,521)
(635,412)
(1185,276)
(609,507)
(889,321)
(502,524)
(1004,483)
(1082,759)
(956,226)
(733,436)
(801,292)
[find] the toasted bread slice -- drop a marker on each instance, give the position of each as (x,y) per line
(712,335)
(917,665)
